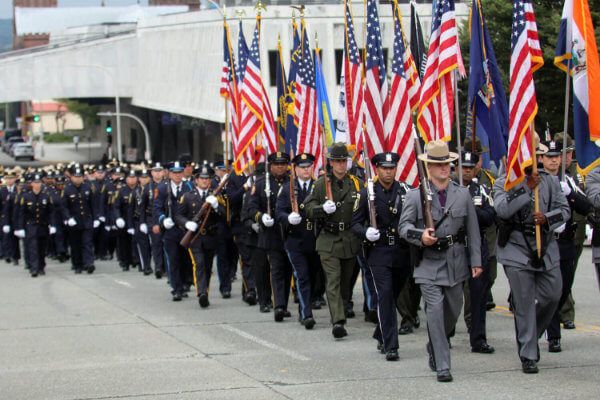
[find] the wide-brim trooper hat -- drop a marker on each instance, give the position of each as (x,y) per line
(437,152)
(338,151)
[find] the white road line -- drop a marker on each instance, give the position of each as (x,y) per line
(272,346)
(126,284)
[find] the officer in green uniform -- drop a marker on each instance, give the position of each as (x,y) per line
(336,244)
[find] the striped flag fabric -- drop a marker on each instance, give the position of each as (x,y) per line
(291,127)
(522,102)
(576,42)
(436,104)
(405,86)
(375,95)
(306,113)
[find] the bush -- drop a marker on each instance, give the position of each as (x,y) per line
(58,138)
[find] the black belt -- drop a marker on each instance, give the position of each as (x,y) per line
(527,229)
(445,242)
(334,227)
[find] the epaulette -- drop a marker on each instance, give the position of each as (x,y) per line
(355,181)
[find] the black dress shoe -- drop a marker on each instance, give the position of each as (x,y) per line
(287,314)
(158,274)
(392,355)
(490,305)
(34,274)
(568,324)
(203,300)
(177,297)
(483,348)
(90,269)
(554,346)
(350,313)
(444,376)
(226,295)
(251,298)
(279,314)
(405,329)
(315,305)
(431,357)
(529,366)
(339,331)
(309,323)
(147,271)
(265,308)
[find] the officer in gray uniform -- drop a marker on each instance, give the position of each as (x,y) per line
(444,265)
(593,193)
(535,281)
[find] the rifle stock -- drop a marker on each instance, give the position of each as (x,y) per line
(293,189)
(370,184)
(424,189)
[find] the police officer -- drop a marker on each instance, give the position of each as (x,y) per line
(123,215)
(156,241)
(165,204)
(79,216)
(535,281)
(54,188)
(99,175)
(387,256)
(299,233)
(141,214)
(445,258)
(262,206)
(593,192)
(478,288)
(227,253)
(202,250)
(9,192)
(552,161)
(336,244)
(34,222)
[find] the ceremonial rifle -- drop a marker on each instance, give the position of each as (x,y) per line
(293,188)
(370,185)
(424,188)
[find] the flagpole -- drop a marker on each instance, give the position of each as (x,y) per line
(566,119)
(536,192)
(457,118)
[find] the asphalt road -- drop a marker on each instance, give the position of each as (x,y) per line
(117,335)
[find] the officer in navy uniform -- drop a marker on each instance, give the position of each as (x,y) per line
(54,189)
(386,255)
(140,211)
(578,203)
(123,216)
(10,243)
(34,222)
(155,233)
(165,205)
(79,216)
(227,253)
(202,250)
(535,281)
(270,235)
(478,288)
(446,261)
(300,237)
(99,174)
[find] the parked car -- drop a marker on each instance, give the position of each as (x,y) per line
(10,142)
(22,150)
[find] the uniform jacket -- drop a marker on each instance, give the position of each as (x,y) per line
(450,266)
(268,237)
(593,192)
(486,216)
(165,205)
(35,213)
(301,237)
(124,205)
(343,244)
(188,207)
(78,203)
(9,197)
(516,207)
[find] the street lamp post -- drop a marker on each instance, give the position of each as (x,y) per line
(139,121)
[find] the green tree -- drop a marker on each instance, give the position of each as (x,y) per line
(549,80)
(86,111)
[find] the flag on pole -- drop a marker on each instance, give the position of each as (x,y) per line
(405,85)
(325,119)
(307,113)
(375,95)
(417,44)
(436,105)
(523,104)
(488,111)
(291,126)
(281,84)
(576,41)
(243,155)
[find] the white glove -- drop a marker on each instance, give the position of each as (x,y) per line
(267,220)
(131,231)
(168,223)
(329,207)
(294,218)
(107,228)
(20,233)
(212,200)
(52,230)
(120,223)
(6,228)
(96,223)
(566,188)
(102,219)
(255,227)
(144,228)
(373,234)
(191,226)
(560,229)
(249,183)
(71,222)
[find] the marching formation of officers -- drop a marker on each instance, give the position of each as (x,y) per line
(290,233)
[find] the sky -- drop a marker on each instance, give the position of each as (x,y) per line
(6,5)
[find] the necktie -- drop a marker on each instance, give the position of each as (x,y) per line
(178,192)
(442,198)
(304,188)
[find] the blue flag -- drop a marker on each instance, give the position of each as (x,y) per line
(291,126)
(487,116)
(281,97)
(325,119)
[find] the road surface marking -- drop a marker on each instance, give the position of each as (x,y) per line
(272,346)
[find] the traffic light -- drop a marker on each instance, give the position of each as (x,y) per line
(108,128)
(32,118)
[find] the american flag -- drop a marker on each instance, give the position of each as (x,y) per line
(436,103)
(522,104)
(307,116)
(229,90)
(257,116)
(376,100)
(352,82)
(404,88)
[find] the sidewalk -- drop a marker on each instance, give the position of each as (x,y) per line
(66,152)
